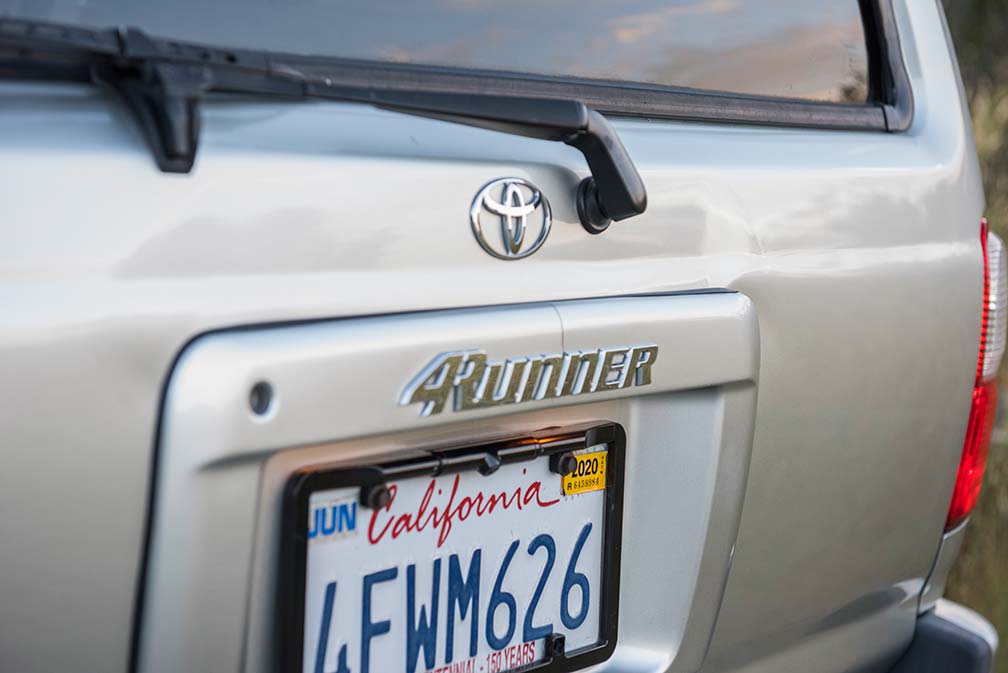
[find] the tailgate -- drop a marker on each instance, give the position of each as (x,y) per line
(337,389)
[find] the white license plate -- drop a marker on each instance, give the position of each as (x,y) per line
(461,572)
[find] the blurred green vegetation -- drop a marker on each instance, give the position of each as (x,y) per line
(980,32)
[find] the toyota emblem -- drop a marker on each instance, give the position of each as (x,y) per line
(514,208)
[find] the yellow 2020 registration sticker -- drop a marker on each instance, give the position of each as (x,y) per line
(589,475)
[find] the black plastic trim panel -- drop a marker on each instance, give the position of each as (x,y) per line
(890,84)
(940,646)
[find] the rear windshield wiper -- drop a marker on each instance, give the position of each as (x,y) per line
(163,81)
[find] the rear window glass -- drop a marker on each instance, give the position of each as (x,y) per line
(811,49)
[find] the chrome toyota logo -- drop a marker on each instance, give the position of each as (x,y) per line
(512,207)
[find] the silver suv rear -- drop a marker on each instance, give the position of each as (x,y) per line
(655,337)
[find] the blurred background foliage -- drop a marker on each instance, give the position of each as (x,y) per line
(980,32)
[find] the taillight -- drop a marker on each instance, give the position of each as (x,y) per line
(984,405)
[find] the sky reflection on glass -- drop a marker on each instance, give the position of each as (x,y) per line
(811,49)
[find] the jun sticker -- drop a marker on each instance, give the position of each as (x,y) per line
(590,474)
(332,520)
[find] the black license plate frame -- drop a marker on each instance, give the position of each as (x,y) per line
(290,598)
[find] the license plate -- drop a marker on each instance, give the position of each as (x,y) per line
(485,559)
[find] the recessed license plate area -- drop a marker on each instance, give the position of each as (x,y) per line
(483,559)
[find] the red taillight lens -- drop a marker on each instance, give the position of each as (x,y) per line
(983,409)
(974,455)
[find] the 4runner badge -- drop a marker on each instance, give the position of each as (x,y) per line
(472,382)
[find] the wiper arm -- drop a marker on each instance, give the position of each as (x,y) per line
(163,82)
(614,192)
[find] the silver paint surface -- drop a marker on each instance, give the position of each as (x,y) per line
(948,552)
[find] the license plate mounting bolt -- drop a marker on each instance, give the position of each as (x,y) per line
(563,463)
(375,496)
(490,464)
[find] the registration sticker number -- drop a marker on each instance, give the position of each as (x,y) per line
(465,569)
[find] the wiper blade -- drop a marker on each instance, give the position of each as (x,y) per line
(163,82)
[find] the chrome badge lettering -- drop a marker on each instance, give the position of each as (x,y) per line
(468,380)
(515,206)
